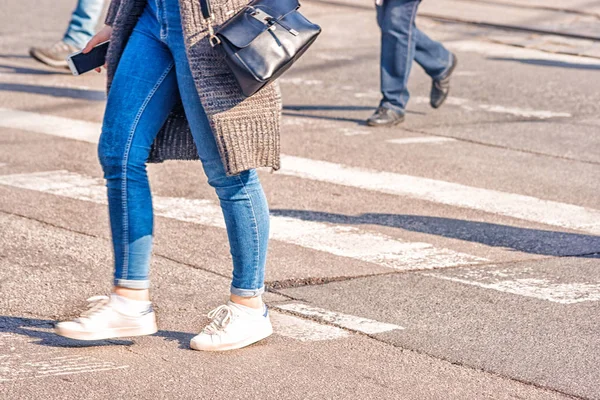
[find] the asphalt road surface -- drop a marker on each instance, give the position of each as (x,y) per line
(456,256)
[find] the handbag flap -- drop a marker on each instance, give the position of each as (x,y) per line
(243,28)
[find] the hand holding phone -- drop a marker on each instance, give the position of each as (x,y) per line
(81,62)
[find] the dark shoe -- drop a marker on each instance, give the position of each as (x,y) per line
(441,87)
(55,55)
(385,117)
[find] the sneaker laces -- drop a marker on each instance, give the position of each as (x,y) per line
(221,317)
(58,47)
(96,305)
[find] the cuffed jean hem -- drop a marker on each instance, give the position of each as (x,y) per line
(393,107)
(444,74)
(79,45)
(131,284)
(247,292)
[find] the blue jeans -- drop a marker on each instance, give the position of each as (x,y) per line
(401,43)
(83,22)
(152,75)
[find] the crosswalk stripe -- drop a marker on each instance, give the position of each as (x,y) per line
(496,202)
(469,105)
(352,322)
(50,125)
(421,140)
(304,330)
(343,241)
(508,204)
(525,283)
(517,53)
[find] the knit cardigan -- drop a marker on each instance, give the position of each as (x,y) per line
(246,129)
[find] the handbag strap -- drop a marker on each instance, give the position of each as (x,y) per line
(206,10)
(210,19)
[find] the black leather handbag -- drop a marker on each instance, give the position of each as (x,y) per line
(262,40)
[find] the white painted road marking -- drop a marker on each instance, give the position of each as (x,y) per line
(301,81)
(469,105)
(50,125)
(524,283)
(15,366)
(513,52)
(351,322)
(421,140)
(304,330)
(509,204)
(344,241)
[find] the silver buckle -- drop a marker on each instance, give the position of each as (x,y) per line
(260,15)
(213,39)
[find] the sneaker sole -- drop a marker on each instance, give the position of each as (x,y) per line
(49,61)
(107,334)
(233,346)
(376,125)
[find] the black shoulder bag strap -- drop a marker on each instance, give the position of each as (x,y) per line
(206,10)
(209,18)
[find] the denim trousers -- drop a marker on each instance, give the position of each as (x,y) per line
(83,22)
(401,43)
(153,74)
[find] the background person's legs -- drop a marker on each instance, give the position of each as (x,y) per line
(83,22)
(398,42)
(431,55)
(438,63)
(80,30)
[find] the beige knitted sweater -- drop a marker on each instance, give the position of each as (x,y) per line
(246,129)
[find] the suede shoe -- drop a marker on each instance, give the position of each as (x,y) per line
(55,55)
(441,87)
(385,117)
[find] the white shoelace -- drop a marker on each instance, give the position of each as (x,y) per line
(221,317)
(96,305)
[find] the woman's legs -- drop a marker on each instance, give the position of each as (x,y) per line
(143,92)
(241,196)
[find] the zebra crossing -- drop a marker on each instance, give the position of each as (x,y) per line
(305,323)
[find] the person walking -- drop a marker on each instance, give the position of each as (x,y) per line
(401,43)
(172,96)
(81,28)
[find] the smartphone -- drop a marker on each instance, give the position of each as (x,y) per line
(80,63)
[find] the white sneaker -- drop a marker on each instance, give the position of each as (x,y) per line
(108,318)
(233,327)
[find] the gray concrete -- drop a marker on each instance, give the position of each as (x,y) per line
(554,345)
(461,341)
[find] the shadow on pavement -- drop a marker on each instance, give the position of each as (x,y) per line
(41,330)
(548,63)
(327,108)
(31,328)
(173,336)
(15,56)
(79,94)
(331,118)
(31,71)
(361,122)
(533,241)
